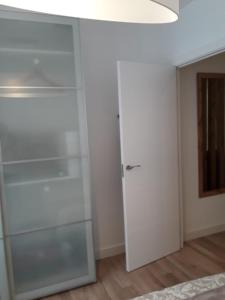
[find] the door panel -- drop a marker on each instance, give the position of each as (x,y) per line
(148,128)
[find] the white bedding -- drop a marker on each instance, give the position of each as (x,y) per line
(187,290)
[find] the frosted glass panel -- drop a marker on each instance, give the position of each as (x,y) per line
(3,277)
(18,34)
(36,69)
(39,128)
(44,194)
(32,54)
(48,257)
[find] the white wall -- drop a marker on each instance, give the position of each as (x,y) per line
(201,215)
(103,44)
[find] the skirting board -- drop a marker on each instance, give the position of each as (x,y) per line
(204,232)
(110,251)
(120,248)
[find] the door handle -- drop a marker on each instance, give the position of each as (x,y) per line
(129,168)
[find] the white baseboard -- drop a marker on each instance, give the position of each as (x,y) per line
(203,232)
(110,251)
(120,248)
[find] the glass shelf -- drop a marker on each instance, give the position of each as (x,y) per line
(39,181)
(38,88)
(36,91)
(41,171)
(26,51)
(5,163)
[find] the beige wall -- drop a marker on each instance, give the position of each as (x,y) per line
(201,215)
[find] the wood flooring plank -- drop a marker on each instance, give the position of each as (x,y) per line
(210,250)
(179,275)
(161,274)
(143,281)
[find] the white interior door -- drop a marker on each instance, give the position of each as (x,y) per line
(149,148)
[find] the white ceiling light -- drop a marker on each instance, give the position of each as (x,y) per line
(133,11)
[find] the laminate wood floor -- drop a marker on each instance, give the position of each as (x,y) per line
(198,258)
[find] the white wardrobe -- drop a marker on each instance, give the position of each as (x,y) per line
(46,242)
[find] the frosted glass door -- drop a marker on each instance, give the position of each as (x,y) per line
(44,159)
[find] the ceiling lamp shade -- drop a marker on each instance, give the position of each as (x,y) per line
(132,11)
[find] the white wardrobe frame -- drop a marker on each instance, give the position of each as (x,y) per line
(59,287)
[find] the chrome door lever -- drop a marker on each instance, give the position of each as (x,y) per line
(129,168)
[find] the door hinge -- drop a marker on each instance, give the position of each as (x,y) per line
(122,171)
